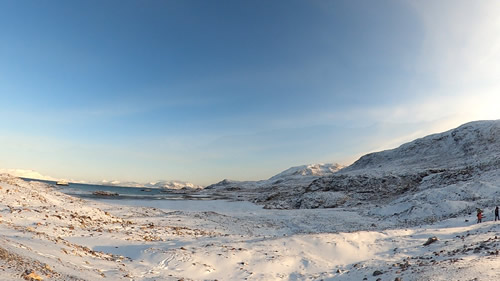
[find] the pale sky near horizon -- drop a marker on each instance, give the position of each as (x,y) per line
(200,90)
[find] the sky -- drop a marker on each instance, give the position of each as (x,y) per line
(202,90)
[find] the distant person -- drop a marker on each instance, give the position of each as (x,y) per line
(496,214)
(479,216)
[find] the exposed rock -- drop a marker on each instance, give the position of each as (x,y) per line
(322,200)
(31,276)
(104,193)
(431,240)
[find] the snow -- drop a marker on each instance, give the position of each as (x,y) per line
(350,224)
(456,171)
(473,143)
(227,240)
(308,170)
(163,184)
(23,173)
(287,183)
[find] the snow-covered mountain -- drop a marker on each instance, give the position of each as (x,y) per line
(294,176)
(308,170)
(23,173)
(472,144)
(287,184)
(172,184)
(162,184)
(439,176)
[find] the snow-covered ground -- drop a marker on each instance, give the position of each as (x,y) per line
(59,237)
(368,221)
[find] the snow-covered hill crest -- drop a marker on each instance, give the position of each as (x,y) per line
(468,145)
(308,170)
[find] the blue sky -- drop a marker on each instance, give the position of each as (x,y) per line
(205,90)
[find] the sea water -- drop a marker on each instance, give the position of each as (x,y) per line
(133,193)
(157,198)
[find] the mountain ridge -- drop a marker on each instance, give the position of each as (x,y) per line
(438,176)
(431,178)
(430,151)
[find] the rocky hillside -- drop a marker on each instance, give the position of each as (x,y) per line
(288,183)
(438,176)
(435,177)
(473,144)
(300,175)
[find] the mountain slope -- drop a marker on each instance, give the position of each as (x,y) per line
(299,175)
(289,183)
(435,177)
(308,170)
(431,178)
(470,144)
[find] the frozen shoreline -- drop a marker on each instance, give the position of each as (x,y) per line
(75,239)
